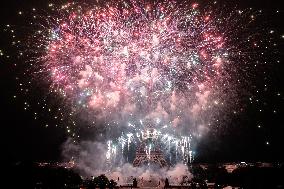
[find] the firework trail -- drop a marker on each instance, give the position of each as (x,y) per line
(128,65)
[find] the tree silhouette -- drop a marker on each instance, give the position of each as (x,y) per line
(112,184)
(101,181)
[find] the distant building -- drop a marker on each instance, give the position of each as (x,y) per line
(66,165)
(230,167)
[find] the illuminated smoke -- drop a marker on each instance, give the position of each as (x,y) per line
(127,66)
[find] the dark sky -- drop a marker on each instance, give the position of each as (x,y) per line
(24,138)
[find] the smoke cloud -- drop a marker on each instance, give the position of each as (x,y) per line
(91,161)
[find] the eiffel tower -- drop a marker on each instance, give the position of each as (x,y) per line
(149,150)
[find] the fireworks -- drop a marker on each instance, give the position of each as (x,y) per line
(129,62)
(176,149)
(128,65)
(160,61)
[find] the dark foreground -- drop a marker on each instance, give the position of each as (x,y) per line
(30,175)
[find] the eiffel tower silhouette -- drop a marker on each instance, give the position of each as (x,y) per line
(149,150)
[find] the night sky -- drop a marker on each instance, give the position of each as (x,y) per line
(31,132)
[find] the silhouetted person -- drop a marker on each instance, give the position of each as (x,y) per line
(134,183)
(167,183)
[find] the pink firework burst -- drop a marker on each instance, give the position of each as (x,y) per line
(131,61)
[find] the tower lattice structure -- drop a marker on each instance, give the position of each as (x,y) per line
(149,150)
